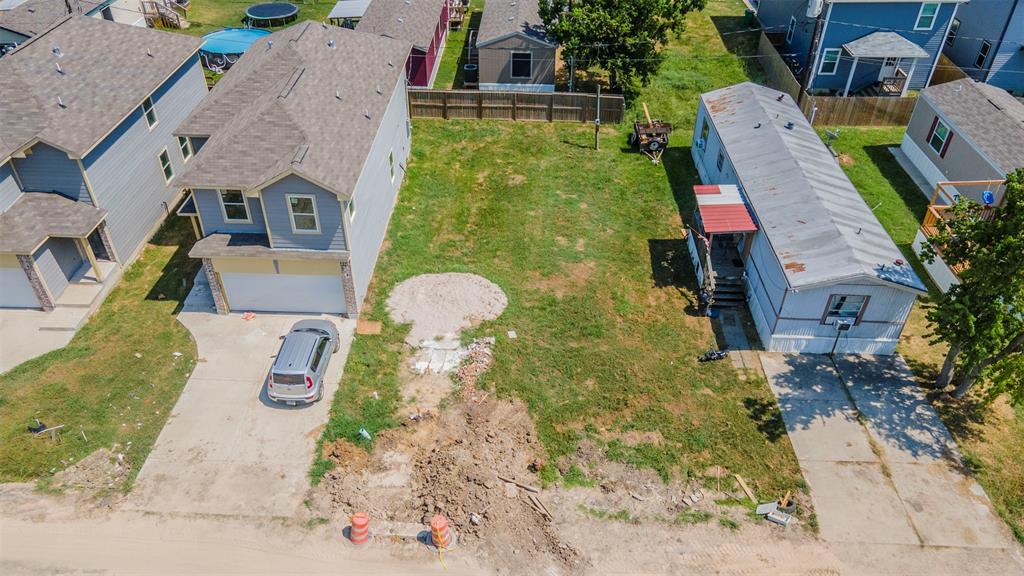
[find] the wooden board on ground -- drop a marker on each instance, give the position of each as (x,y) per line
(368,326)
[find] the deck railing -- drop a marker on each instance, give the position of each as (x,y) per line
(930,227)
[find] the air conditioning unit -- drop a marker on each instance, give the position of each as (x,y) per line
(844,325)
(814,8)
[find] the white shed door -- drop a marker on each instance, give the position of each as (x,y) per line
(284,292)
(15,290)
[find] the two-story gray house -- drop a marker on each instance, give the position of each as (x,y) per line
(87,153)
(300,152)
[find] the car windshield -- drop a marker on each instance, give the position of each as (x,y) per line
(287,378)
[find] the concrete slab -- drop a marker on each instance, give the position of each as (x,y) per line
(823,432)
(855,502)
(21,340)
(947,507)
(915,560)
(227,449)
(79,295)
(808,377)
(65,319)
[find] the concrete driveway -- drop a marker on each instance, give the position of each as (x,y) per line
(22,340)
(226,449)
(883,470)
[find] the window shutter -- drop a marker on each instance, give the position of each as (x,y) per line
(945,146)
(931,131)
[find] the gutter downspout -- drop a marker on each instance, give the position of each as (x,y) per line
(938,54)
(820,28)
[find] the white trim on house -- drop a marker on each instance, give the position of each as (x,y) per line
(934,16)
(821,66)
(791,29)
(244,203)
(168,168)
(185,143)
(151,110)
(512,64)
(517,87)
(292,214)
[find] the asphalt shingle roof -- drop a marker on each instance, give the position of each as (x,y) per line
(106,70)
(502,18)
(991,117)
(294,103)
(34,216)
(818,225)
(413,21)
(34,16)
(884,45)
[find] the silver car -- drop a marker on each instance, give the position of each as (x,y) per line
(297,376)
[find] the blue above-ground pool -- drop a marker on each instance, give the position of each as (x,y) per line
(222,48)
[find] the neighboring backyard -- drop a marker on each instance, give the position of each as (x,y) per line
(588,247)
(991,436)
(206,16)
(114,385)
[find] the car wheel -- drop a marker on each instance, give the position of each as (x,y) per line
(337,346)
(320,394)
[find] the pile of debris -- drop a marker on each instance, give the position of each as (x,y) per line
(479,357)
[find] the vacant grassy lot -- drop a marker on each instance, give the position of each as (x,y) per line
(991,436)
(587,245)
(97,384)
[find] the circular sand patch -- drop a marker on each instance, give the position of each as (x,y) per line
(441,304)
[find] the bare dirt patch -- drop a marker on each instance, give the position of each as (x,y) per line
(570,280)
(442,304)
(846,160)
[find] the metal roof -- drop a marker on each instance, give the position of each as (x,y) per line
(722,209)
(36,216)
(884,45)
(504,18)
(989,116)
(819,227)
(349,9)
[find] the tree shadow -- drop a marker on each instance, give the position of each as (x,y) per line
(682,176)
(671,268)
(741,39)
(766,416)
(900,181)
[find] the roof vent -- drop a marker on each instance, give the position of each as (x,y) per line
(401,18)
(60,102)
(780,97)
(408,2)
(379,89)
(366,112)
(391,64)
(59,69)
(149,52)
(337,94)
(56,51)
(757,125)
(789,125)
(330,43)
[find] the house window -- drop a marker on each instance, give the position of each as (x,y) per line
(234,207)
(829,62)
(790,30)
(939,137)
(149,112)
(185,145)
(165,165)
(302,210)
(986,47)
(522,64)
(844,307)
(391,165)
(720,161)
(926,17)
(953,29)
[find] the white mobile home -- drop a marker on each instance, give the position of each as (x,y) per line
(820,271)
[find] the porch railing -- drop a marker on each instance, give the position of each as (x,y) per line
(930,227)
(893,85)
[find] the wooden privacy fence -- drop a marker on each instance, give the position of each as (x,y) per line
(540,107)
(777,74)
(858,110)
(946,71)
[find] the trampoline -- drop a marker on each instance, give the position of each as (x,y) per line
(271,14)
(222,48)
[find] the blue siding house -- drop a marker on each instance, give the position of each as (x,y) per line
(87,154)
(863,47)
(300,153)
(987,42)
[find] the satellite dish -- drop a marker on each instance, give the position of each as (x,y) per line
(988,197)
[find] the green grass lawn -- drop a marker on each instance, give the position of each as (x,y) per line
(990,435)
(587,245)
(96,384)
(449,73)
(208,15)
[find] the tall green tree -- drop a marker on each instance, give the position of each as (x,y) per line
(982,318)
(622,37)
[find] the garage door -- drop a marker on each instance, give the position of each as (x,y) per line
(15,291)
(284,292)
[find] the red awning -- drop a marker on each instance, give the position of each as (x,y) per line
(726,218)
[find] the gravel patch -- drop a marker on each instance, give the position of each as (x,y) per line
(440,305)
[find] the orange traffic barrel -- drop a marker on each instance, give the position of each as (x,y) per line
(440,534)
(359,531)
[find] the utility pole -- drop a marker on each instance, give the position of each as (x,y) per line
(597,120)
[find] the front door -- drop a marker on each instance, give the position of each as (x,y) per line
(889,67)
